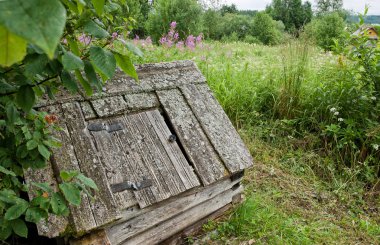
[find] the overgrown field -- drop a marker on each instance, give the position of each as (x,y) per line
(310,127)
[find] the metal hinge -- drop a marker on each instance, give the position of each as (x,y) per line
(128,185)
(103,126)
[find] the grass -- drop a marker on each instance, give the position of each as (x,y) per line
(295,193)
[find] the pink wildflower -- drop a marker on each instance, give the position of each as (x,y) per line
(84,39)
(173,25)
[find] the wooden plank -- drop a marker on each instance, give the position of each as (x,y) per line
(198,148)
(218,127)
(64,159)
(141,101)
(182,167)
(116,165)
(104,206)
(154,215)
(110,106)
(156,163)
(170,227)
(54,225)
(152,77)
(194,229)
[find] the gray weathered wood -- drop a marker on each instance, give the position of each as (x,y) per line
(200,152)
(54,225)
(104,207)
(183,220)
(141,101)
(87,110)
(156,160)
(175,154)
(64,159)
(218,127)
(94,238)
(110,106)
(154,215)
(152,77)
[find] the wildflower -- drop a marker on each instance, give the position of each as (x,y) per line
(376,147)
(190,42)
(340,119)
(64,41)
(336,113)
(333,109)
(180,45)
(176,36)
(115,35)
(173,25)
(84,39)
(373,98)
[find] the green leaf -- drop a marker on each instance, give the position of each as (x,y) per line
(103,60)
(131,47)
(13,47)
(68,175)
(16,210)
(9,196)
(69,82)
(99,6)
(58,204)
(73,46)
(71,62)
(43,186)
(5,232)
(35,214)
(125,63)
(25,97)
(31,144)
(6,171)
(84,83)
(44,151)
(91,75)
(87,181)
(95,30)
(71,193)
(39,22)
(12,114)
(35,64)
(19,227)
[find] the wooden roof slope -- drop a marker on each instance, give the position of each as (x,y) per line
(168,129)
(367,30)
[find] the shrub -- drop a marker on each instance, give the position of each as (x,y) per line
(212,24)
(266,29)
(325,29)
(187,14)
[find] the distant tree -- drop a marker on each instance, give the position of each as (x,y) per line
(229,9)
(212,24)
(265,29)
(327,6)
(292,13)
(187,14)
(326,29)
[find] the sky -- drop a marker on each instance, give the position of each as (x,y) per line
(355,5)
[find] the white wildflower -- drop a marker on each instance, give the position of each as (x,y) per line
(375,146)
(336,113)
(340,119)
(373,98)
(333,109)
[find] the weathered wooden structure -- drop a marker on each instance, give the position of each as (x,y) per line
(162,152)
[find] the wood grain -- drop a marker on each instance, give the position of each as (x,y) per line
(218,127)
(198,148)
(104,206)
(138,152)
(152,216)
(172,226)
